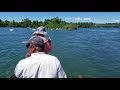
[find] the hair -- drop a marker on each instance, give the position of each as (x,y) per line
(39,49)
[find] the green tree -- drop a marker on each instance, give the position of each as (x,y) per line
(27,23)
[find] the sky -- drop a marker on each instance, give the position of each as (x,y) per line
(95,17)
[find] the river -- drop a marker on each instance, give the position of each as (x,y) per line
(89,52)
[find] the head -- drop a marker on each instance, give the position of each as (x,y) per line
(35,44)
(41,31)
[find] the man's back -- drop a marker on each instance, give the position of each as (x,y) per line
(39,65)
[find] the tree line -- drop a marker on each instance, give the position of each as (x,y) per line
(54,23)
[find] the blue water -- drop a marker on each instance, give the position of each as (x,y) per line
(89,52)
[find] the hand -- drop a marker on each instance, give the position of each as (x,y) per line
(49,40)
(28,55)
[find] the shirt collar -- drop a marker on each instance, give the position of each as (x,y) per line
(37,53)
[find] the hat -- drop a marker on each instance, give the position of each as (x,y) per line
(35,40)
(40,30)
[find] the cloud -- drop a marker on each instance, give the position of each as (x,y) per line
(68,18)
(77,18)
(117,20)
(87,19)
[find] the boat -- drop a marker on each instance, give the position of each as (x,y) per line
(11,29)
(33,29)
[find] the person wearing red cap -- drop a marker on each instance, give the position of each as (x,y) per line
(41,32)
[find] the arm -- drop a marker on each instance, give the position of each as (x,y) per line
(18,70)
(61,73)
(48,46)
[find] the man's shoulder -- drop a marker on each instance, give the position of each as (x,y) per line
(21,62)
(51,56)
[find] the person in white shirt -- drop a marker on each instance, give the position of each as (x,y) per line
(39,64)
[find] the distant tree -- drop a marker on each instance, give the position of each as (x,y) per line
(27,23)
(1,23)
(54,23)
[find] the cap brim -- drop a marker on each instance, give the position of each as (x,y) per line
(25,42)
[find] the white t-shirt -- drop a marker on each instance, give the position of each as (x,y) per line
(39,65)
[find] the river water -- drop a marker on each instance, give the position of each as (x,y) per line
(89,52)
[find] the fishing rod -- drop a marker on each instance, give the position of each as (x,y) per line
(49,38)
(13,76)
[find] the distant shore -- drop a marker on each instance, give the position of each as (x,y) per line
(55,24)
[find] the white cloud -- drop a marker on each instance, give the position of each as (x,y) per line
(117,20)
(68,18)
(87,19)
(77,18)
